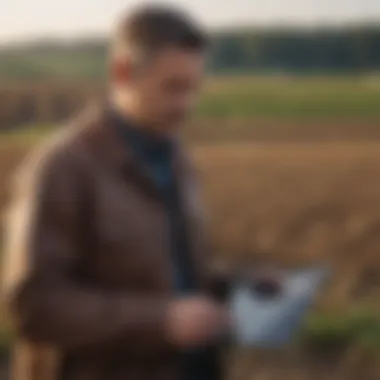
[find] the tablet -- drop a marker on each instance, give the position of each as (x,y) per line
(273,320)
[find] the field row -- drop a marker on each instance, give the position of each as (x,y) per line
(277,99)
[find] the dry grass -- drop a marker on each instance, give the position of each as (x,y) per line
(299,203)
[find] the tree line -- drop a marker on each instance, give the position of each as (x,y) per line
(298,50)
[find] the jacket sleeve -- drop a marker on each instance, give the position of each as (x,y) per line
(47,302)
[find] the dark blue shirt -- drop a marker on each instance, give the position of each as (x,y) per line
(156,155)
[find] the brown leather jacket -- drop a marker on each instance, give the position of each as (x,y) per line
(89,274)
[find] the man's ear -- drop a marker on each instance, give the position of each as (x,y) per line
(120,71)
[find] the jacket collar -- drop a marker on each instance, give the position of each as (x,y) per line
(100,132)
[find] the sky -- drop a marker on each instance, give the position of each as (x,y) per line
(30,19)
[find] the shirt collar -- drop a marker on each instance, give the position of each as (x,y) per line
(142,142)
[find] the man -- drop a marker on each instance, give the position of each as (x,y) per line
(108,276)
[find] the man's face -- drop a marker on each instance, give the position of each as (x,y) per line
(164,90)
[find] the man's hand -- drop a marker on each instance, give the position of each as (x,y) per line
(195,321)
(267,282)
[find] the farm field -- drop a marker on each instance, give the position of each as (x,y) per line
(296,203)
(290,173)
